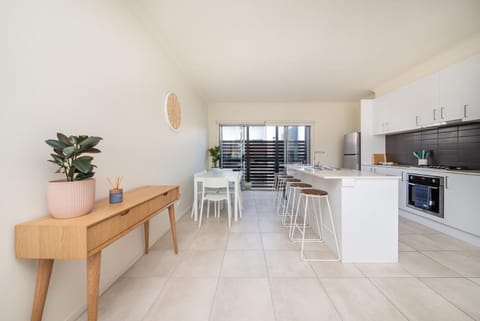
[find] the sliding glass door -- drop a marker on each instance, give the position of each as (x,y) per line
(260,151)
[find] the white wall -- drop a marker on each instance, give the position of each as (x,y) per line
(464,49)
(84,67)
(330,120)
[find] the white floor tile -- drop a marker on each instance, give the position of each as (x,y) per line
(239,299)
(156,263)
(336,270)
(360,300)
(418,302)
(301,299)
(246,264)
(128,299)
(380,270)
(200,263)
(210,241)
(287,264)
(244,241)
(422,266)
(464,293)
(277,241)
(184,299)
(466,263)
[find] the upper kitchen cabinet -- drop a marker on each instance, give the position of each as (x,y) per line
(393,112)
(450,106)
(470,88)
(450,94)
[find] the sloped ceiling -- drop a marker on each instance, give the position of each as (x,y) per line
(299,50)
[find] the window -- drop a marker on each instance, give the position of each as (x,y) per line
(260,151)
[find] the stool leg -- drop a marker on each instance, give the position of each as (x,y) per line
(287,204)
(333,229)
(303,231)
(318,213)
(294,224)
(290,214)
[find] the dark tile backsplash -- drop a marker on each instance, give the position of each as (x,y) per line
(454,145)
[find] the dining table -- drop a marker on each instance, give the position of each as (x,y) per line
(233,177)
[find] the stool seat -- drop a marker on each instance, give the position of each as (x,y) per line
(314,192)
(292,180)
(301,185)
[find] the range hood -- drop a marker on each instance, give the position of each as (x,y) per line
(443,123)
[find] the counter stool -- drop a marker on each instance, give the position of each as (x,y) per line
(283,193)
(275,180)
(279,189)
(293,191)
(314,197)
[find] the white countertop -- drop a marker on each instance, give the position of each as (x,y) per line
(435,170)
(340,173)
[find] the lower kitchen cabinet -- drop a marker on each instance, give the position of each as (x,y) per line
(402,186)
(461,202)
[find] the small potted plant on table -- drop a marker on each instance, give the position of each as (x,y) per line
(75,195)
(215,154)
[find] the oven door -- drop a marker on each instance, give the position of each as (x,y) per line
(425,196)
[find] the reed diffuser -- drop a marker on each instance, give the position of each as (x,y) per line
(116,193)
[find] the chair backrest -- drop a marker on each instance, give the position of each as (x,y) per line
(215,182)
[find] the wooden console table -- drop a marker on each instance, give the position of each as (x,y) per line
(48,239)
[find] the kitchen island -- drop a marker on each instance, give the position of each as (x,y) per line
(364,208)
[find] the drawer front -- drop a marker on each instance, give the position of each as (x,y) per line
(163,200)
(104,233)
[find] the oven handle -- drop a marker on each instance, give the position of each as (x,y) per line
(430,187)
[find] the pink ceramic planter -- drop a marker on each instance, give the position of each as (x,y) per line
(70,199)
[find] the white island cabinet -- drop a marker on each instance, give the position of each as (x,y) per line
(365,211)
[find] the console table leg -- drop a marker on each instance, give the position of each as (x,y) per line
(93,281)
(146,227)
(44,271)
(173,227)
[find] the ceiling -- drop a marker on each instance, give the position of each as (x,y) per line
(301,50)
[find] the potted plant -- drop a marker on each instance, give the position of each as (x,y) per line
(74,195)
(215,154)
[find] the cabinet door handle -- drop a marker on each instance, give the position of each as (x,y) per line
(434,114)
(446,182)
(402,176)
(465,111)
(441,112)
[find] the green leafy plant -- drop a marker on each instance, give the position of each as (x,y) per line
(68,153)
(215,154)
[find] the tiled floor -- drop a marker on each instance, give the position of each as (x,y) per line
(253,272)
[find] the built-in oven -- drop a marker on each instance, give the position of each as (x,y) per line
(425,193)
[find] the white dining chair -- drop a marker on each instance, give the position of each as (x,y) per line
(216,190)
(199,191)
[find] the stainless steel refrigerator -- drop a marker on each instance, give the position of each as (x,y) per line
(351,151)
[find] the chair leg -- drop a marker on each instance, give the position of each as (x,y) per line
(229,212)
(208,209)
(201,215)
